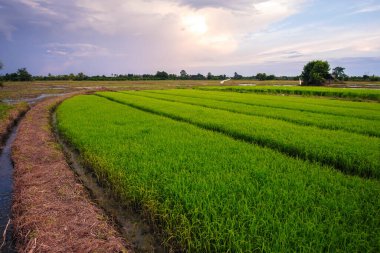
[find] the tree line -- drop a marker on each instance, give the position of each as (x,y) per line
(23,75)
(316,72)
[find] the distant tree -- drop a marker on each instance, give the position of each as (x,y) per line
(198,76)
(261,76)
(162,75)
(237,76)
(23,75)
(209,76)
(338,73)
(315,73)
(183,74)
(365,77)
(81,76)
(271,77)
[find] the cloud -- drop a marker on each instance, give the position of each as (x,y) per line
(39,6)
(367,8)
(234,5)
(147,35)
(74,50)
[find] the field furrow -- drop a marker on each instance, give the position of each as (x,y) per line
(334,122)
(347,93)
(280,102)
(348,152)
(207,192)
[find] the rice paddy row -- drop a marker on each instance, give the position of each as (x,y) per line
(347,93)
(207,192)
(317,105)
(343,150)
(334,122)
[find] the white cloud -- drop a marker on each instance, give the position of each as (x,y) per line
(75,50)
(368,8)
(39,6)
(147,35)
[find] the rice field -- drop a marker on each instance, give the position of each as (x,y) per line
(346,93)
(229,172)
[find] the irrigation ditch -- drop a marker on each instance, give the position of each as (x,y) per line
(131,225)
(49,202)
(8,130)
(6,189)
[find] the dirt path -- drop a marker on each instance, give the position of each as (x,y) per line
(52,211)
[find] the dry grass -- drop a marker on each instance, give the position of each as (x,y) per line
(52,211)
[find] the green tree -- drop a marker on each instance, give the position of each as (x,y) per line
(183,74)
(315,73)
(162,75)
(80,77)
(23,75)
(261,76)
(237,76)
(338,72)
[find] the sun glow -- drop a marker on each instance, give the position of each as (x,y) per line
(195,24)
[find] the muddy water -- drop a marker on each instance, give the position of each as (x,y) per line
(135,231)
(32,101)
(6,187)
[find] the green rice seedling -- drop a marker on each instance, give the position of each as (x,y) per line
(325,101)
(345,151)
(207,192)
(334,122)
(293,103)
(347,93)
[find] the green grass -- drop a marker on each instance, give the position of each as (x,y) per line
(334,122)
(4,108)
(210,193)
(347,93)
(360,110)
(345,151)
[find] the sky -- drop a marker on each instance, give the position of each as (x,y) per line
(99,37)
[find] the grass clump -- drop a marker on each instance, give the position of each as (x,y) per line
(4,109)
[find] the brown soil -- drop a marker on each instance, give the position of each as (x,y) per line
(52,211)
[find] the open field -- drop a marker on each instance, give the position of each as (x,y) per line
(314,105)
(356,94)
(17,90)
(341,149)
(247,184)
(322,120)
